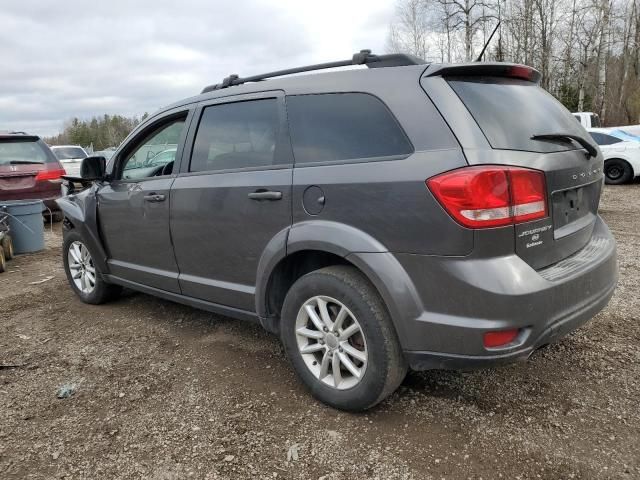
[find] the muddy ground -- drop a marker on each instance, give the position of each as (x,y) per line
(164,391)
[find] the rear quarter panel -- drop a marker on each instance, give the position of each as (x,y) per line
(387,199)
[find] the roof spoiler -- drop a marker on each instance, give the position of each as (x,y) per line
(19,137)
(488,69)
(363,57)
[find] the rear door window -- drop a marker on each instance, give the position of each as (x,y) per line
(237,135)
(510,111)
(343,126)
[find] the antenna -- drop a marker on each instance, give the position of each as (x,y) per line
(479,59)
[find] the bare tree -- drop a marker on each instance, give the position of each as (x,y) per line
(588,51)
(408,33)
(468,16)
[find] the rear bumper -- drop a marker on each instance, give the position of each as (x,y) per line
(422,360)
(48,197)
(462,298)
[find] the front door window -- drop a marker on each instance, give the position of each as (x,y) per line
(154,156)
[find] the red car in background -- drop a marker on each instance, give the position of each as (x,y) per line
(29,170)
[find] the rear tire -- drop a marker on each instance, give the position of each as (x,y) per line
(617,172)
(7,246)
(83,275)
(3,261)
(373,351)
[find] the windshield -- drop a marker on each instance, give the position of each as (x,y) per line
(510,111)
(17,152)
(65,153)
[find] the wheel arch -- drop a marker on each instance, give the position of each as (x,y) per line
(317,244)
(81,214)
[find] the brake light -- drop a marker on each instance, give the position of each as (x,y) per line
(491,196)
(522,71)
(49,174)
(500,338)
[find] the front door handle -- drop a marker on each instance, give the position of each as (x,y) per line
(154,197)
(265,195)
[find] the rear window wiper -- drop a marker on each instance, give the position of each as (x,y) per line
(24,162)
(593,151)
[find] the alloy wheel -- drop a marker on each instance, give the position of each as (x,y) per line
(331,342)
(83,272)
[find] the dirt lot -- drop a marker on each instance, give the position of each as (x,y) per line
(164,391)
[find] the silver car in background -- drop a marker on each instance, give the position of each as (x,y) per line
(71,157)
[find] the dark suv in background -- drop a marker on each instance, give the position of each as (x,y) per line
(29,171)
(404,215)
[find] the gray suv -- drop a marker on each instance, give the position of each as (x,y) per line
(405,215)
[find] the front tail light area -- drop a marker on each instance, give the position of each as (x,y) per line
(49,175)
(491,196)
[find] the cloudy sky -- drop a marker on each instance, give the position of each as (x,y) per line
(74,58)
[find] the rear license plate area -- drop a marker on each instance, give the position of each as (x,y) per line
(573,205)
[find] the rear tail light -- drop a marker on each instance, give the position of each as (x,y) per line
(49,174)
(500,338)
(491,196)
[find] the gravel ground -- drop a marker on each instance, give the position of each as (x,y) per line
(164,391)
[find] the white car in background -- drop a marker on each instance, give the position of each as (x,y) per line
(70,156)
(621,154)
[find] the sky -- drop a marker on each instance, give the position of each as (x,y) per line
(76,58)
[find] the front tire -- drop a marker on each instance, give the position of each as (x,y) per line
(339,338)
(617,172)
(84,277)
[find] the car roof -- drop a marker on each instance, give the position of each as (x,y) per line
(353,79)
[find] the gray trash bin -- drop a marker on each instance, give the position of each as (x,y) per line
(26,224)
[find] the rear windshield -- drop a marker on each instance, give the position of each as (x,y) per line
(65,153)
(510,111)
(20,152)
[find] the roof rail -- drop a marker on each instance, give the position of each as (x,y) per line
(363,57)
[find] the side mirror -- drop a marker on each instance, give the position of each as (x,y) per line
(93,168)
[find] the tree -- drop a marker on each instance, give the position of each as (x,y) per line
(101,132)
(588,51)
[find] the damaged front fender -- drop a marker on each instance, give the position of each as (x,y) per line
(81,213)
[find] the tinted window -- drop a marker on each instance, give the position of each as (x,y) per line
(17,152)
(236,135)
(604,139)
(343,126)
(595,121)
(510,111)
(156,151)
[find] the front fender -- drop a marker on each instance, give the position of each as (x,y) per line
(81,210)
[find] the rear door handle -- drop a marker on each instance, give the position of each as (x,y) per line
(265,195)
(154,197)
